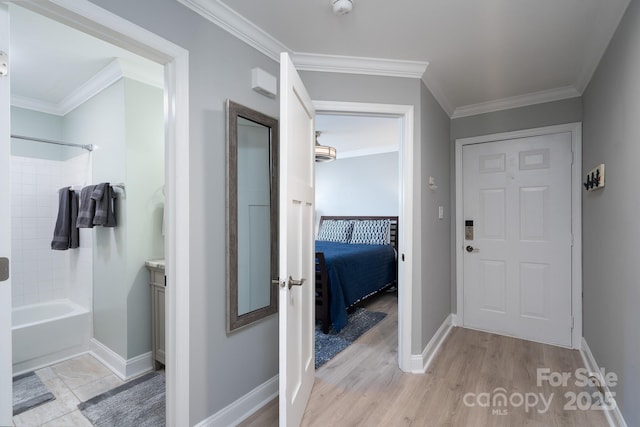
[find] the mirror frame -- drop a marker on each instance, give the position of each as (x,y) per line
(234,111)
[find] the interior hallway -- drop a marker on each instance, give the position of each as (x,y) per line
(363,385)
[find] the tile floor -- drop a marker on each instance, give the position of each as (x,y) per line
(72,381)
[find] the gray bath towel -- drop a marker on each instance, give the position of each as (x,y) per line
(65,226)
(104,197)
(87,209)
(74,235)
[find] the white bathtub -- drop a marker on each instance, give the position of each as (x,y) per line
(49,332)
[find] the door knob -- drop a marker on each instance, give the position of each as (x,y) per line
(469,248)
(293,282)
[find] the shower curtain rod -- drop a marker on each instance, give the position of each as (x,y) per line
(88,147)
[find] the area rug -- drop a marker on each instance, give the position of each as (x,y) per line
(28,392)
(328,345)
(138,403)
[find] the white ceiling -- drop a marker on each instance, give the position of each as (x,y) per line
(482,55)
(354,136)
(55,67)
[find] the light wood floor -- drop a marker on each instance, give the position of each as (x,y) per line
(363,386)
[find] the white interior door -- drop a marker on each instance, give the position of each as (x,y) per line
(297,200)
(517,264)
(6,399)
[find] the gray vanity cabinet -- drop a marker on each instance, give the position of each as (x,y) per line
(158,284)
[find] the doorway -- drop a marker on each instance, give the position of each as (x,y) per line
(517,234)
(405,209)
(93,20)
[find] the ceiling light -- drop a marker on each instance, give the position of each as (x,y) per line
(324,153)
(342,7)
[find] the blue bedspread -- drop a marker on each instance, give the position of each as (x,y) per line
(355,271)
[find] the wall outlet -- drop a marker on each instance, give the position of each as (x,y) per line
(440,212)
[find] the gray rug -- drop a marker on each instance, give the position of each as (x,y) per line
(138,403)
(29,392)
(328,345)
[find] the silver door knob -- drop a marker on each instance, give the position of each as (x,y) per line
(292,282)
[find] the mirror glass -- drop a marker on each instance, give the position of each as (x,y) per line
(252,247)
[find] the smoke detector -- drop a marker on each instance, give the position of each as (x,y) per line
(342,7)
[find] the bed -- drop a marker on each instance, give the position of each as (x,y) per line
(353,264)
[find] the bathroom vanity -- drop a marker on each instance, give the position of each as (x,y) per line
(157,283)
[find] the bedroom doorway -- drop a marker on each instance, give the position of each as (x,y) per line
(377,140)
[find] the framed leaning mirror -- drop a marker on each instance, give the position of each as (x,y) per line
(252,215)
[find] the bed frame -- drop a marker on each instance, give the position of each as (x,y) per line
(323,294)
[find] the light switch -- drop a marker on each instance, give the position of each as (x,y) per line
(440,212)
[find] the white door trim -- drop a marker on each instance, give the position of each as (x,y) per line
(91,19)
(407,228)
(576,216)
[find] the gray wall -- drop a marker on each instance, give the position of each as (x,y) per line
(144,132)
(100,121)
(222,368)
(365,185)
(37,125)
(126,123)
(529,117)
(436,233)
(610,217)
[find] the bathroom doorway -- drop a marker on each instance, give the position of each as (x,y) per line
(162,52)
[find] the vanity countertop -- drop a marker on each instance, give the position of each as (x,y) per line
(158,263)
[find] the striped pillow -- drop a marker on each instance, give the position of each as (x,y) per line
(335,230)
(371,232)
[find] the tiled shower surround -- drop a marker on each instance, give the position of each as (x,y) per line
(38,273)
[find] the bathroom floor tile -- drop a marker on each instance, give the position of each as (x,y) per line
(81,370)
(97,387)
(75,419)
(46,412)
(71,382)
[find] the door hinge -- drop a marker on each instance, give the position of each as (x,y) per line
(572,322)
(4,64)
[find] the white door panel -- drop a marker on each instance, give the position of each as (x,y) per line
(297,199)
(517,279)
(6,409)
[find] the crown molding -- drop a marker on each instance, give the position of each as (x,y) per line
(104,78)
(237,25)
(35,105)
(245,30)
(359,65)
(96,84)
(556,94)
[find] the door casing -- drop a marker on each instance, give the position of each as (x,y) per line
(576,217)
(407,227)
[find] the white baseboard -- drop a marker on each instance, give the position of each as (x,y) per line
(420,362)
(614,416)
(243,408)
(123,368)
(455,320)
(49,359)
